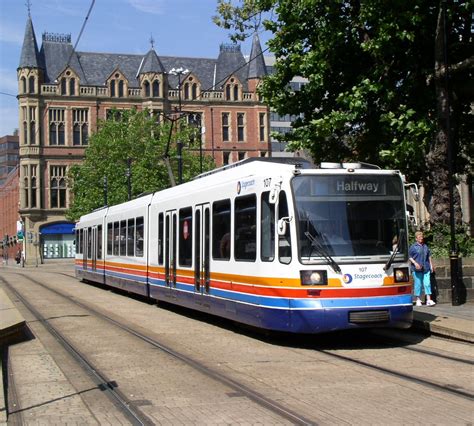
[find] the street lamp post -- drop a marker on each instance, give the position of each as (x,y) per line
(179,72)
(454,256)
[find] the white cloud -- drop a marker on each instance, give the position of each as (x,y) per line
(155,7)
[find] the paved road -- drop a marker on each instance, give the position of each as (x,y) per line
(354,378)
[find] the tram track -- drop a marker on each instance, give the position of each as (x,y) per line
(258,397)
(133,412)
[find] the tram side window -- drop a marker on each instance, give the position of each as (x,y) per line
(89,242)
(79,246)
(245,230)
(123,238)
(139,237)
(131,237)
(185,236)
(160,239)
(284,241)
(267,229)
(221,230)
(99,242)
(116,238)
(110,238)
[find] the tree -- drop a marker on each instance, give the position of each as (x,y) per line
(136,139)
(373,81)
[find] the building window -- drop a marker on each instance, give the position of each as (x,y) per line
(120,89)
(225,157)
(58,186)
(33,186)
(194,91)
(26,188)
(56,126)
(31,82)
(240,126)
(63,86)
(112,88)
(156,89)
(262,126)
(80,126)
(72,87)
(186,91)
(146,85)
(225,126)
(241,155)
(23,84)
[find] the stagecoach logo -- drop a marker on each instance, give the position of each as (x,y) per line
(243,185)
(347,278)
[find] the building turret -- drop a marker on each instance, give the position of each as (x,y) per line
(256,68)
(30,57)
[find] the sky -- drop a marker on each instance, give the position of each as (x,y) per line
(178,28)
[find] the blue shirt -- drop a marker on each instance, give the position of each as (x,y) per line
(420,253)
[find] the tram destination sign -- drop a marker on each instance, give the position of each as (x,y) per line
(357,186)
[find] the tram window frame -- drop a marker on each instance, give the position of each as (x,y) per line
(284,241)
(116,238)
(160,238)
(131,237)
(185,248)
(110,238)
(267,228)
(241,209)
(139,236)
(221,229)
(81,238)
(123,238)
(89,243)
(99,242)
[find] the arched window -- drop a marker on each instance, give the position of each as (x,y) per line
(31,84)
(147,89)
(156,89)
(23,84)
(227,92)
(120,89)
(236,92)
(186,90)
(112,88)
(72,87)
(194,91)
(63,86)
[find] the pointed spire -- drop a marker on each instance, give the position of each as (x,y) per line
(151,63)
(29,53)
(257,67)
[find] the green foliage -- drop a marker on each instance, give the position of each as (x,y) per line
(438,238)
(135,137)
(369,65)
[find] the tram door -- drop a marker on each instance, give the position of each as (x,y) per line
(202,274)
(83,237)
(170,249)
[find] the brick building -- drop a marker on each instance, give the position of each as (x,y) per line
(62,94)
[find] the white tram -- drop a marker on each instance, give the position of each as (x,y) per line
(271,243)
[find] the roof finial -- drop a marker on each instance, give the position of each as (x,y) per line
(28,6)
(152,41)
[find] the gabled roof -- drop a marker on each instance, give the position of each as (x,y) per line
(151,63)
(257,67)
(29,53)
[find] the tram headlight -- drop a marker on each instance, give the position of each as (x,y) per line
(401,275)
(314,278)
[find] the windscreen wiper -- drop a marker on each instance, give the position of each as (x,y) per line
(395,250)
(322,251)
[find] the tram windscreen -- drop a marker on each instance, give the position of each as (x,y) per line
(350,215)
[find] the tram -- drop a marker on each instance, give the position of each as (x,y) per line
(272,243)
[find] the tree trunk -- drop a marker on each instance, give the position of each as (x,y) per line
(438,160)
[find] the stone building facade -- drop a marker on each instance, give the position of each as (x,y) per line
(62,94)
